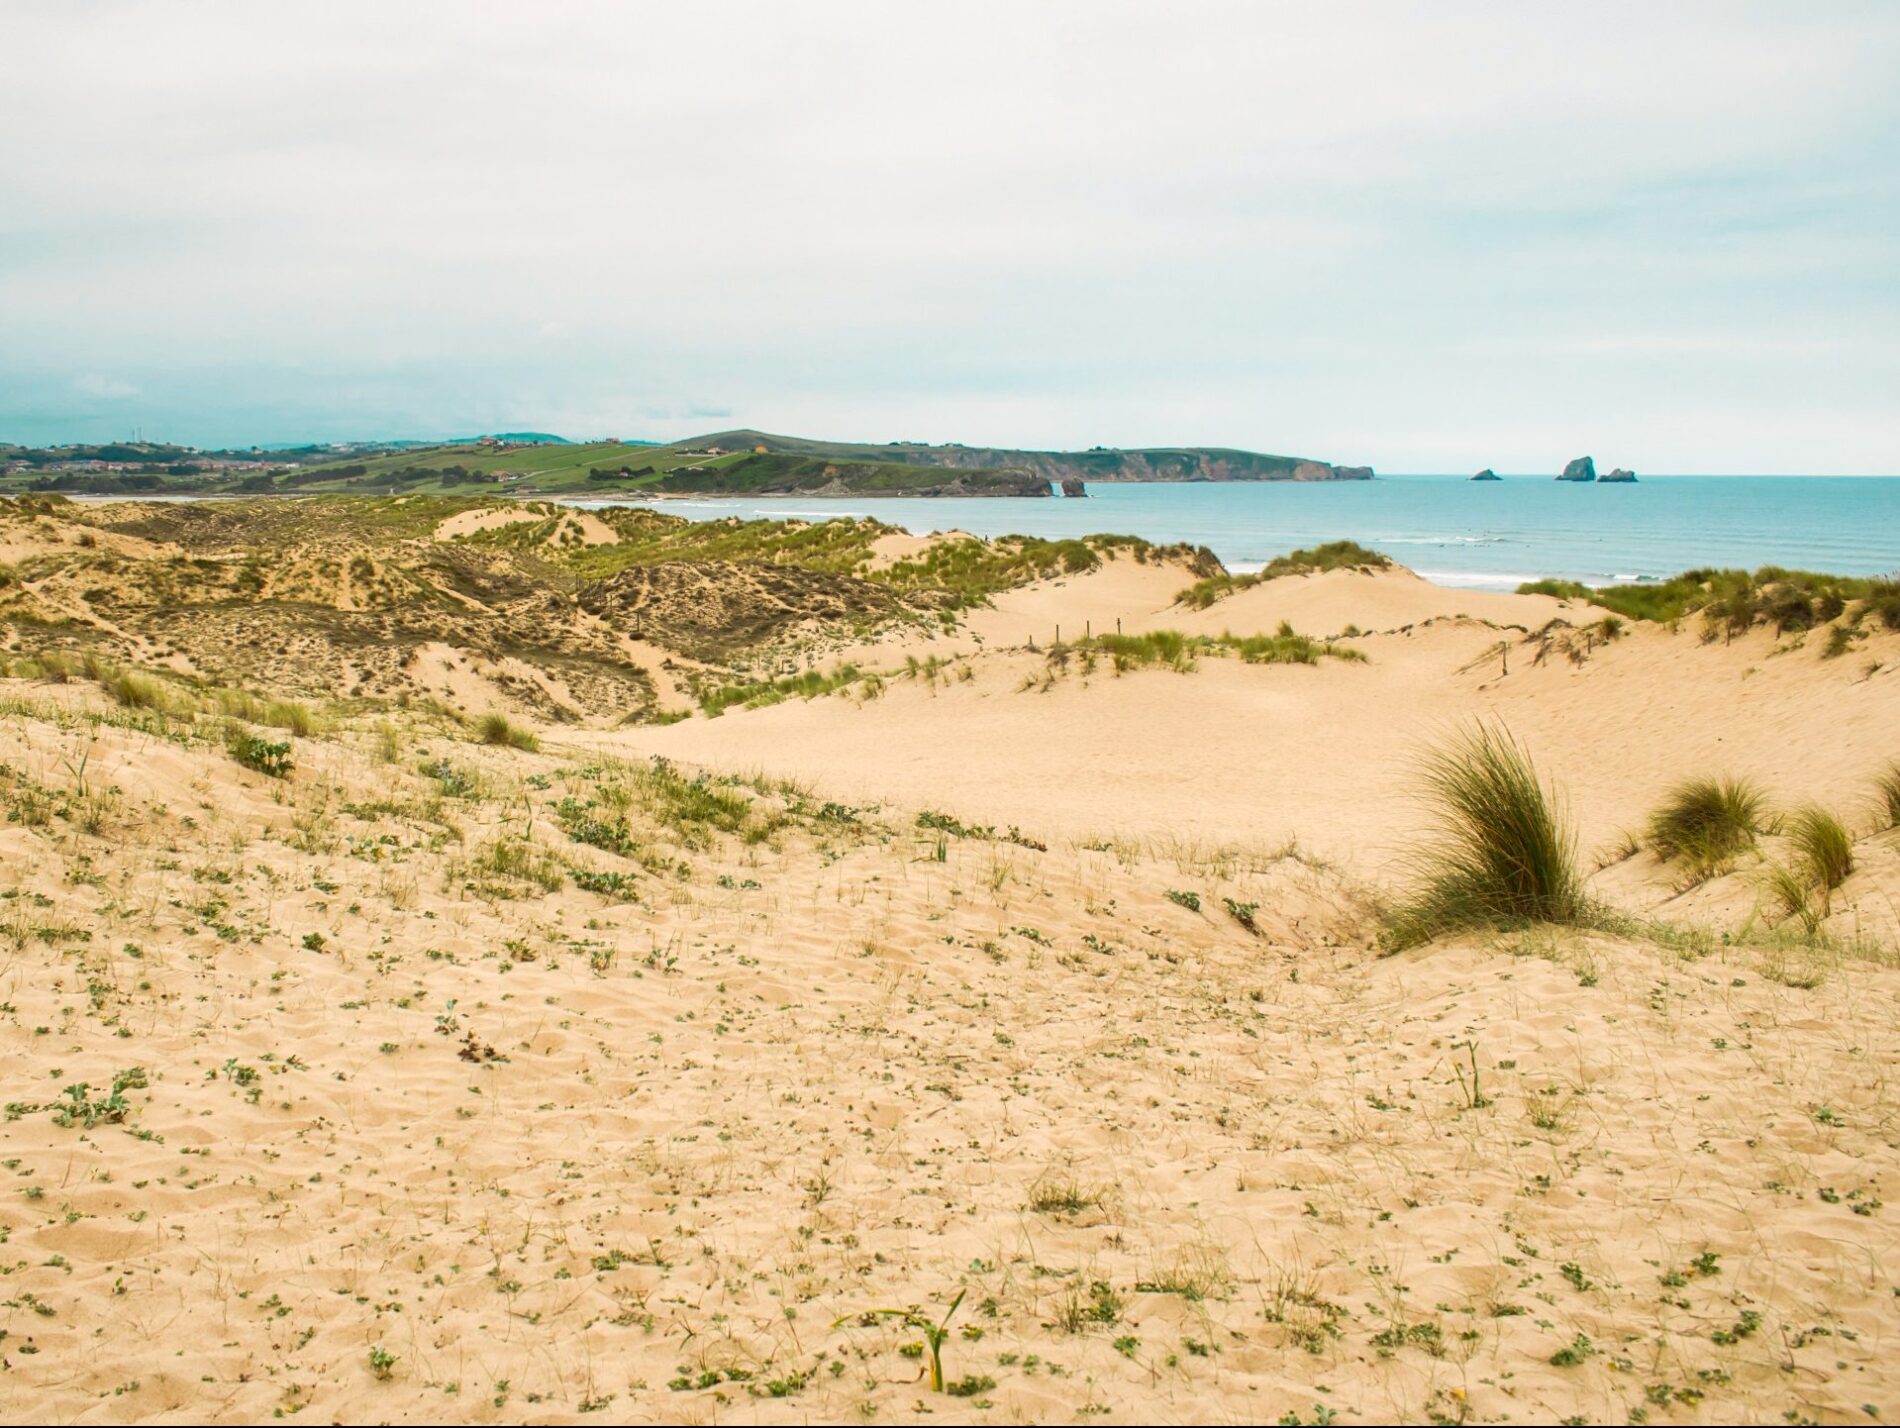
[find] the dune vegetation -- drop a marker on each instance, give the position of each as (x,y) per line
(1334,555)
(1734,601)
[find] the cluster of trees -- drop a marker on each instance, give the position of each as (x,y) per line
(119,454)
(105,483)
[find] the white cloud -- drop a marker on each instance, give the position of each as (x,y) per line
(1300,228)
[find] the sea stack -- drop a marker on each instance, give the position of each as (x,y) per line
(1619,476)
(1072,486)
(1582,469)
(1487,475)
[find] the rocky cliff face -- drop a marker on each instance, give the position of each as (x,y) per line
(1582,469)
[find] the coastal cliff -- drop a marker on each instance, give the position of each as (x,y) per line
(1101,463)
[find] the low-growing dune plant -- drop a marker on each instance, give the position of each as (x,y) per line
(497,729)
(255,752)
(1506,856)
(1823,849)
(1707,823)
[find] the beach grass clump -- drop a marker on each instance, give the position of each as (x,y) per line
(1173,650)
(758,694)
(1707,823)
(1823,849)
(497,730)
(289,715)
(138,691)
(1791,897)
(1165,649)
(1506,855)
(520,860)
(1333,555)
(1887,795)
(1286,646)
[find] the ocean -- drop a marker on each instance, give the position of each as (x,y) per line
(1453,531)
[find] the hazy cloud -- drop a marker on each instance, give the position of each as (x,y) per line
(1427,237)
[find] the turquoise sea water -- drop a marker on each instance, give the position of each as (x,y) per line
(1488,534)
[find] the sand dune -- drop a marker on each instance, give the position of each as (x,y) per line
(449,1080)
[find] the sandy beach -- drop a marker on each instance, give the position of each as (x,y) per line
(630,1071)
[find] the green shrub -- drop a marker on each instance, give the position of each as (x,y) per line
(1506,857)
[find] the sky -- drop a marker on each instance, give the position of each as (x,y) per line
(1424,237)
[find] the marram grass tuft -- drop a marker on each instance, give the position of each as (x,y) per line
(1506,855)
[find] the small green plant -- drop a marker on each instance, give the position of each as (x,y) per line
(934,1334)
(1742,1328)
(1099,1305)
(253,752)
(1424,1335)
(1475,1099)
(1243,913)
(381,1362)
(1191,901)
(1574,1352)
(110,1109)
